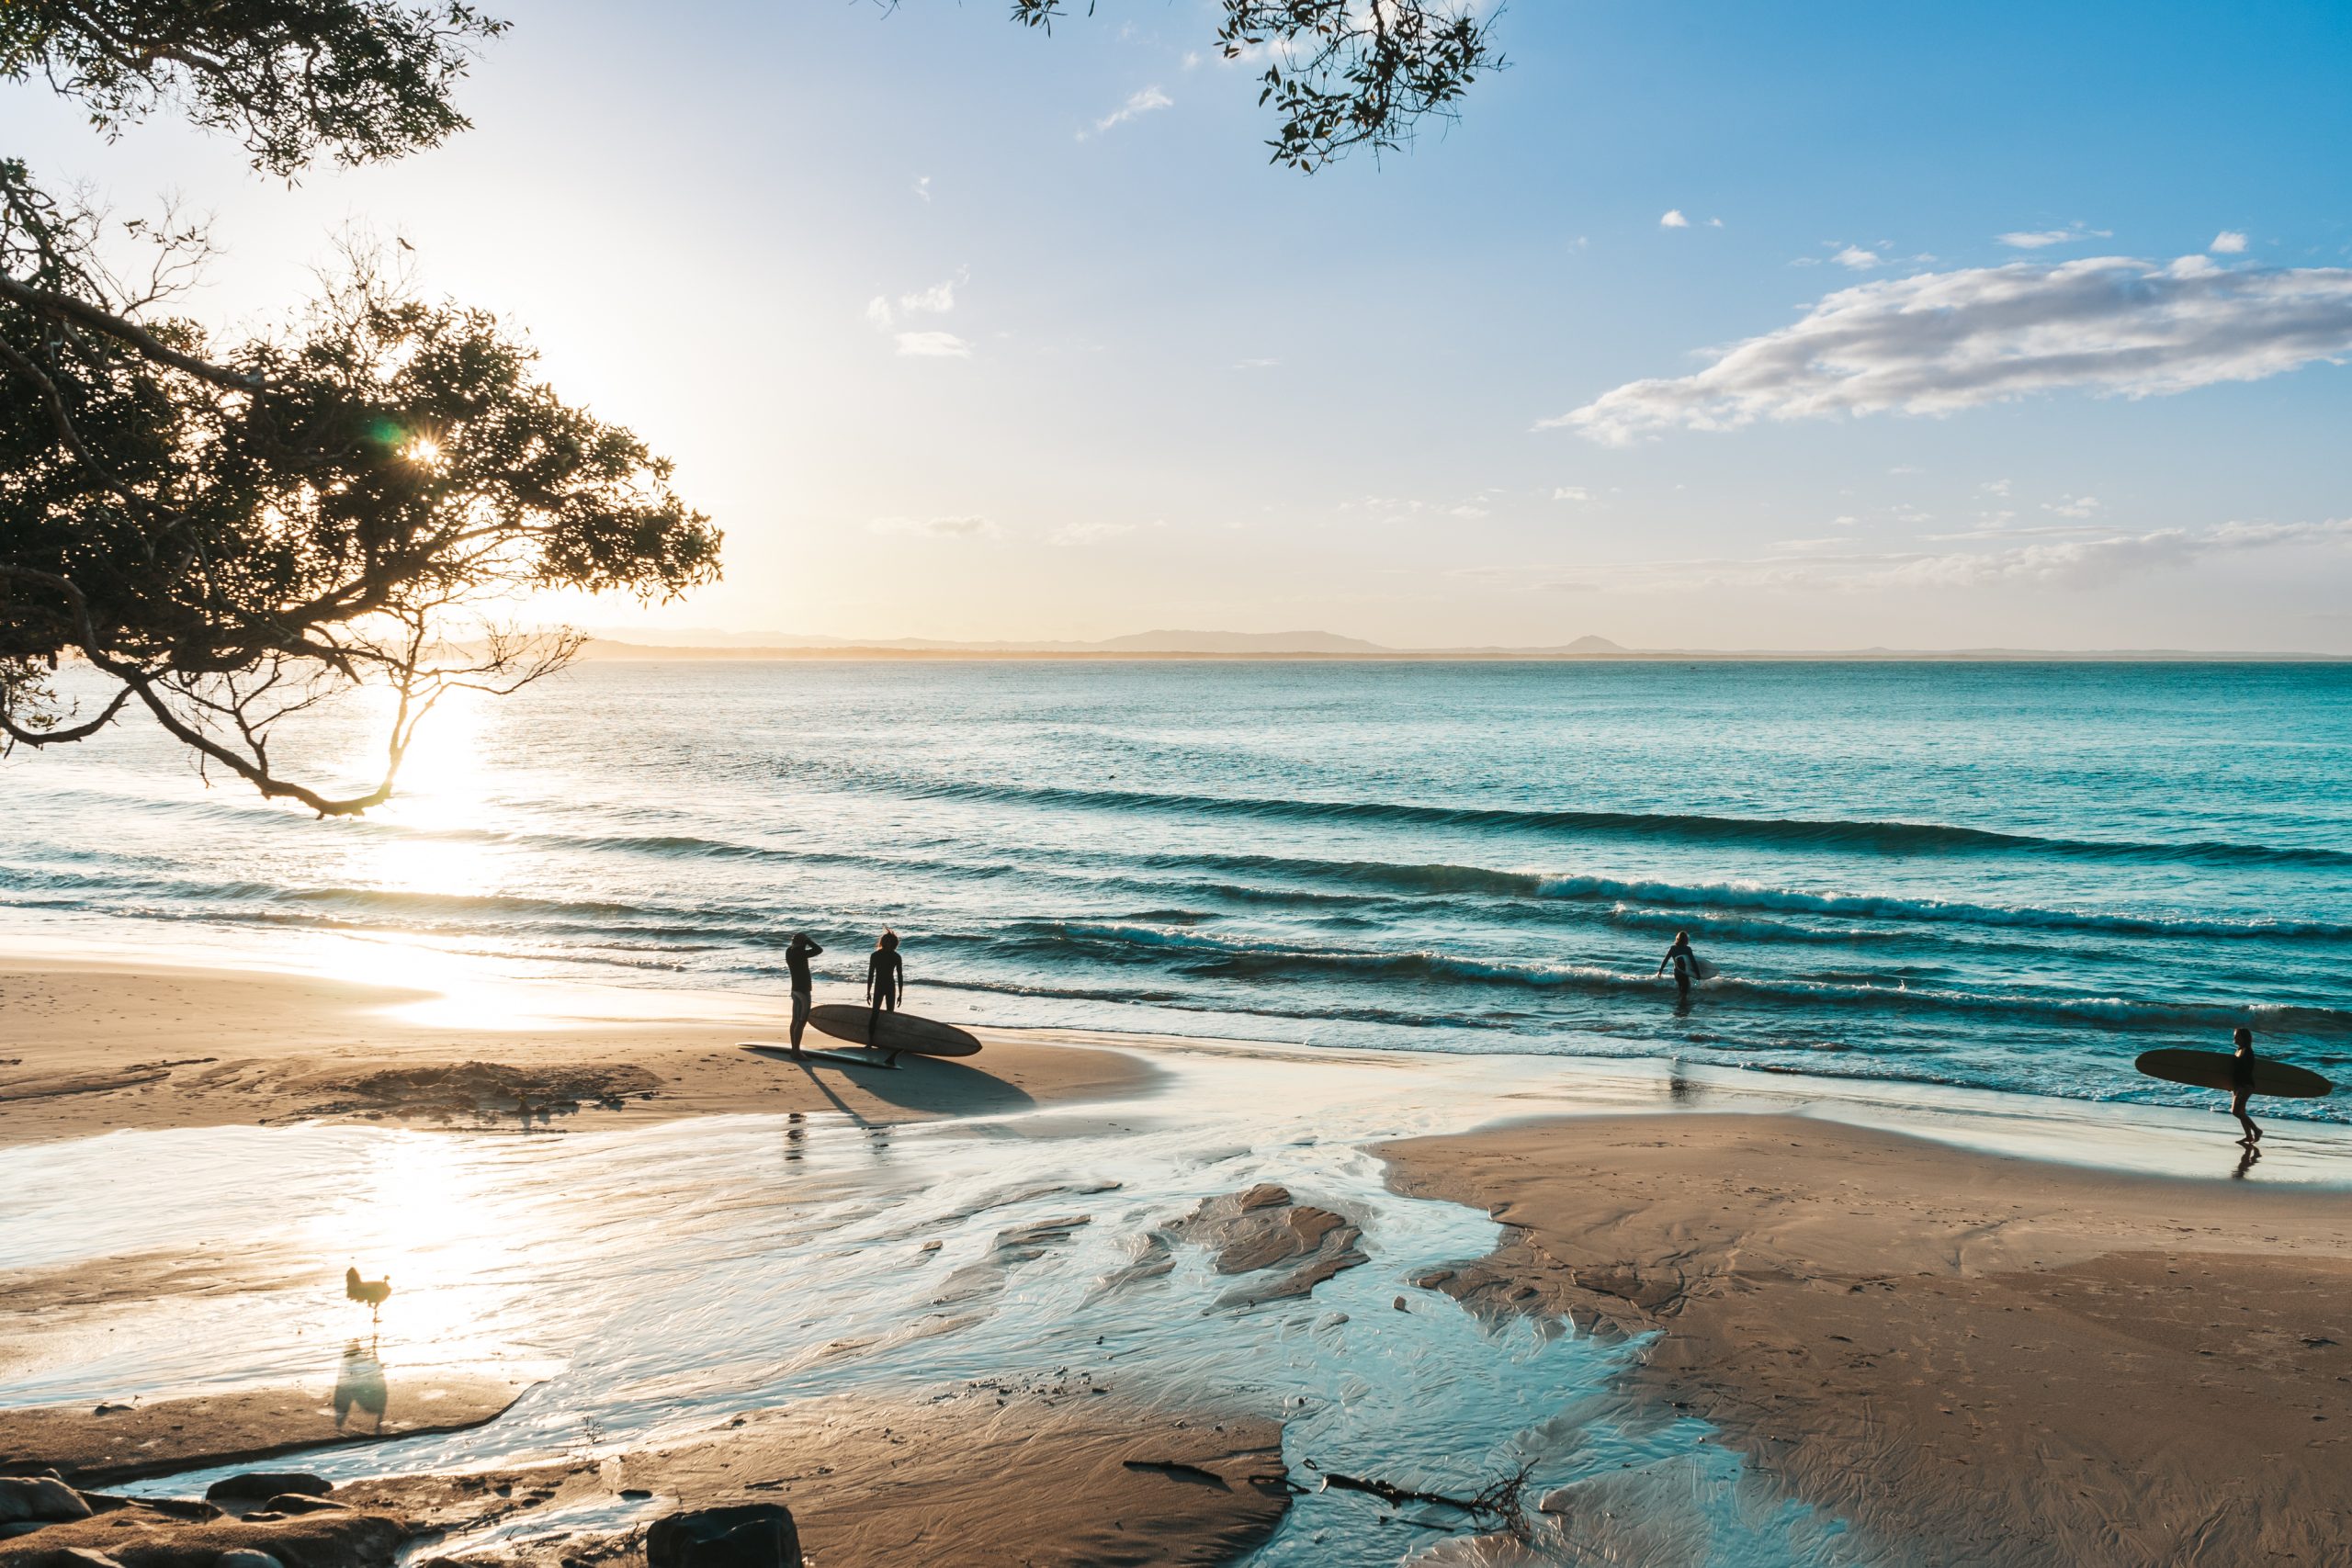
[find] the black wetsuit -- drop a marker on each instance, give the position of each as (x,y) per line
(795,960)
(2242,1072)
(886,979)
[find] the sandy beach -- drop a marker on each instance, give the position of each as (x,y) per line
(96,1045)
(1974,1359)
(1941,1354)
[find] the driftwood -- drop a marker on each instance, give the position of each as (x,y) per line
(1496,1506)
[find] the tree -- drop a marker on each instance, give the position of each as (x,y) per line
(1344,73)
(233,534)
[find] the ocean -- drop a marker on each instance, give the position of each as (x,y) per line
(2005,875)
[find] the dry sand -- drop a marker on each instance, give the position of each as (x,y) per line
(1975,1359)
(90,1047)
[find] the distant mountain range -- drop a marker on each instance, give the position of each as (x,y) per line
(716,645)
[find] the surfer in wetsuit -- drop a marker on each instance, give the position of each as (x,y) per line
(2242,1085)
(795,959)
(1685,961)
(886,974)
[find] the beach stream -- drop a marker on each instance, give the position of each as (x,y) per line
(658,1281)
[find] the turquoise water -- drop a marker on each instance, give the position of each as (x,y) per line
(2008,876)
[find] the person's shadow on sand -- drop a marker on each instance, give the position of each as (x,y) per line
(918,1083)
(359,1383)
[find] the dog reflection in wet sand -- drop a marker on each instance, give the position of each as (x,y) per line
(359,1385)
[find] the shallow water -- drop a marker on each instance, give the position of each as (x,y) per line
(663,1278)
(2008,876)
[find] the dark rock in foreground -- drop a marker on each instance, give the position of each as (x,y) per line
(756,1535)
(39,1499)
(261,1485)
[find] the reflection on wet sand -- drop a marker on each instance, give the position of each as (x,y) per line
(360,1384)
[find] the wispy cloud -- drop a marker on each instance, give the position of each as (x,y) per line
(884,314)
(1674,220)
(2073,506)
(2091,559)
(1858,258)
(1572,492)
(1938,342)
(922,187)
(937,527)
(2039,239)
(934,345)
(1255,364)
(2228,243)
(1141,101)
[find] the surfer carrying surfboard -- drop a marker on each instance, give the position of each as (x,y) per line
(886,974)
(1685,961)
(2241,1084)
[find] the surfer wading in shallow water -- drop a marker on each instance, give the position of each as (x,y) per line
(2241,1084)
(795,959)
(886,975)
(1685,961)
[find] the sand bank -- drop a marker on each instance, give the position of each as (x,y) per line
(94,1046)
(1050,1477)
(1974,1359)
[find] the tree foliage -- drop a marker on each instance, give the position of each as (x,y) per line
(1345,73)
(231,534)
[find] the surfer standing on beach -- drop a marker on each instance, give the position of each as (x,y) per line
(1685,961)
(2241,1084)
(795,959)
(886,974)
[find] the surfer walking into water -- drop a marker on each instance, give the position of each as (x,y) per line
(795,959)
(1685,961)
(886,974)
(2241,1084)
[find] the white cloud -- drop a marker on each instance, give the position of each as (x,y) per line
(2036,239)
(2073,506)
(1572,492)
(936,527)
(1674,220)
(938,300)
(1714,222)
(1938,342)
(1995,487)
(934,345)
(1255,364)
(2091,559)
(922,187)
(1139,103)
(2228,243)
(1858,258)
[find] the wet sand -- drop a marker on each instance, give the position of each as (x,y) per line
(1968,1356)
(90,1047)
(1973,1358)
(1050,1477)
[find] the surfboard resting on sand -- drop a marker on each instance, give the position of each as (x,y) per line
(892,1033)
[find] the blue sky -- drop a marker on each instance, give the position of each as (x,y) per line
(1124,375)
